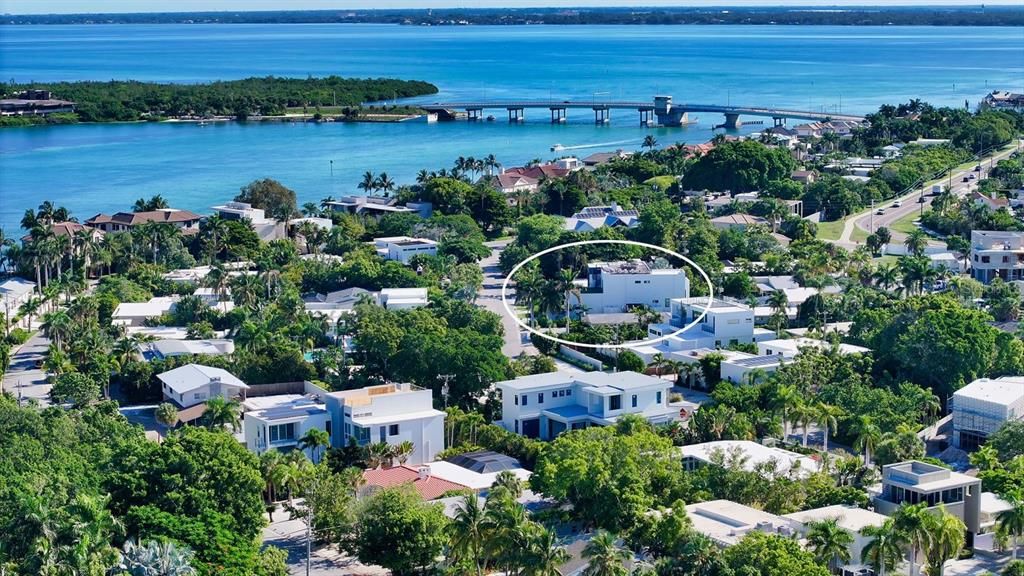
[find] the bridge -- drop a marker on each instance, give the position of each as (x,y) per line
(661,112)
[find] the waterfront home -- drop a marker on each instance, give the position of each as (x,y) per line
(981,407)
(34,103)
(599,158)
(617,286)
(193,384)
(404,248)
(914,481)
(591,218)
(279,422)
(170,348)
(14,292)
(185,221)
(996,254)
(377,206)
(69,230)
(511,183)
(545,405)
(266,228)
(391,413)
(1004,99)
(321,223)
(749,456)
(542,172)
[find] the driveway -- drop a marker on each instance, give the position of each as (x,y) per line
(22,378)
(290,536)
(489,297)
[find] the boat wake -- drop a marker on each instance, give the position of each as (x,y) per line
(559,147)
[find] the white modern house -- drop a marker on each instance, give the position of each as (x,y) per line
(914,481)
(997,255)
(725,323)
(749,455)
(403,298)
(850,518)
(726,522)
(13,293)
(404,248)
(170,348)
(737,367)
(791,347)
(194,384)
(616,286)
(392,413)
(136,313)
(981,407)
(279,422)
(545,405)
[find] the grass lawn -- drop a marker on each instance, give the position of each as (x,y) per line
(858,235)
(830,230)
(906,224)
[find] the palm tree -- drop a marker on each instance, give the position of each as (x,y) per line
(604,556)
(162,558)
(543,554)
(887,275)
(779,303)
(826,417)
(315,440)
(404,450)
(829,542)
(945,539)
(884,551)
(385,183)
(469,529)
(58,326)
(167,415)
(784,402)
(569,288)
(221,413)
(650,142)
(509,481)
(909,521)
(916,242)
(866,434)
(212,231)
(29,308)
(1011,521)
(270,461)
(368,183)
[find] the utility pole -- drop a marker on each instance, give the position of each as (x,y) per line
(444,387)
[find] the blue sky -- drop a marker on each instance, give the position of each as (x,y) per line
(73,6)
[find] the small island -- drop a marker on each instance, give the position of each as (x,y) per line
(267,98)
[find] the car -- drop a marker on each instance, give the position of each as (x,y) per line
(974,176)
(967,179)
(977,168)
(921,200)
(880,211)
(897,204)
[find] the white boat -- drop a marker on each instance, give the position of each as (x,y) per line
(557,147)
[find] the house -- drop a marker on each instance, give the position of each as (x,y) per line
(199,273)
(392,413)
(946,261)
(511,183)
(421,478)
(69,230)
(478,470)
(185,221)
(993,203)
(749,456)
(738,221)
(893,150)
(13,293)
(403,298)
(136,313)
(726,522)
(982,406)
(724,323)
(338,301)
(914,481)
(790,348)
(194,384)
(617,286)
(997,255)
(736,366)
(170,348)
(545,405)
(599,158)
(34,103)
(403,248)
(322,223)
(1004,99)
(541,172)
(266,228)
(805,177)
(279,422)
(377,206)
(591,218)
(850,518)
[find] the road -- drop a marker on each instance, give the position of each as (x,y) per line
(22,378)
(489,297)
(868,221)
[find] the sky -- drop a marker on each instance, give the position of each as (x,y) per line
(96,6)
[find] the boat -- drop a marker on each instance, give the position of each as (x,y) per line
(490,118)
(557,148)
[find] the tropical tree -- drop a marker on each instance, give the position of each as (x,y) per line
(604,556)
(945,539)
(866,436)
(910,523)
(155,558)
(826,416)
(270,462)
(829,542)
(543,554)
(779,303)
(1010,522)
(469,530)
(916,242)
(368,184)
(650,142)
(222,413)
(884,549)
(315,440)
(167,415)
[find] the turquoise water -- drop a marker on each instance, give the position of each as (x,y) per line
(105,167)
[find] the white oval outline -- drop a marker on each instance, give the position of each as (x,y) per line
(517,267)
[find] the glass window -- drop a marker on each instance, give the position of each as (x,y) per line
(526,400)
(393,430)
(634,400)
(540,398)
(659,397)
(568,392)
(516,399)
(381,434)
(615,402)
(282,432)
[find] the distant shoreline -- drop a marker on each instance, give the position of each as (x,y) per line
(939,16)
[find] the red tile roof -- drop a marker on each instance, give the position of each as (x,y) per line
(136,218)
(430,488)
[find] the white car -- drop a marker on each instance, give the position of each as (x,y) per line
(897,204)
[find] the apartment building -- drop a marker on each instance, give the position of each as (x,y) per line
(391,413)
(997,254)
(545,405)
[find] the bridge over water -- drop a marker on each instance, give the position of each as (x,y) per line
(662,111)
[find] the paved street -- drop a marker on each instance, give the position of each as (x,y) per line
(22,378)
(490,298)
(290,536)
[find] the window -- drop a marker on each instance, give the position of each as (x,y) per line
(199,396)
(634,400)
(526,399)
(517,426)
(516,399)
(984,259)
(282,432)
(327,428)
(615,402)
(540,398)
(658,397)
(568,392)
(393,430)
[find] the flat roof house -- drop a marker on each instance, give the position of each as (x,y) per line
(981,407)
(726,522)
(377,206)
(13,293)
(616,286)
(279,422)
(790,348)
(997,254)
(850,518)
(404,248)
(391,413)
(914,481)
(194,384)
(266,228)
(725,323)
(169,348)
(751,456)
(545,405)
